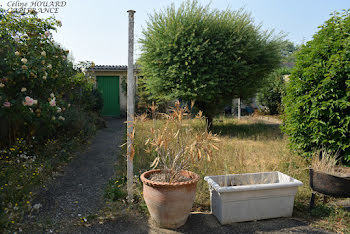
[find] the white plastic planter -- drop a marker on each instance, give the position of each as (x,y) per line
(252,196)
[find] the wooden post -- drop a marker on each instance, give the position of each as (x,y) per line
(130,108)
(312,201)
(239,108)
(233,108)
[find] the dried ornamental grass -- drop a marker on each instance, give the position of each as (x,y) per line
(326,162)
(177,144)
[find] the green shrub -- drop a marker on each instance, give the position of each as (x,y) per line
(116,189)
(83,93)
(97,101)
(272,91)
(317,102)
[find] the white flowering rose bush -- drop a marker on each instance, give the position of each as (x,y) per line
(32,67)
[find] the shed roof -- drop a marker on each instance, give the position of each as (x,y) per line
(109,68)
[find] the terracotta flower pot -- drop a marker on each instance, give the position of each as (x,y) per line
(169,203)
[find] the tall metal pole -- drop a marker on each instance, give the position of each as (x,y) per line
(130,108)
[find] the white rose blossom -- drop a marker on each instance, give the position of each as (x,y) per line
(43,53)
(23,89)
(53,102)
(37,206)
(28,101)
(24,60)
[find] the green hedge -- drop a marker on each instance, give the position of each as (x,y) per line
(317,103)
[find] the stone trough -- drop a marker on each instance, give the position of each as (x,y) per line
(252,196)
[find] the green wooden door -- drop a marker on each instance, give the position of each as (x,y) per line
(109,87)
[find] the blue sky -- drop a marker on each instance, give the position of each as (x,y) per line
(97,30)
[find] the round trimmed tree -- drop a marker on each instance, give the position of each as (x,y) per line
(210,56)
(317,102)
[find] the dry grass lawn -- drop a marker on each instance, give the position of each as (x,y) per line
(250,145)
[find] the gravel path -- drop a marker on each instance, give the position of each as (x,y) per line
(79,191)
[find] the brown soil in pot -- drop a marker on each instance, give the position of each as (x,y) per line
(164,176)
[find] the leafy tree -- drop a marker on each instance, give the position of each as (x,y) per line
(317,103)
(273,88)
(210,56)
(288,53)
(272,91)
